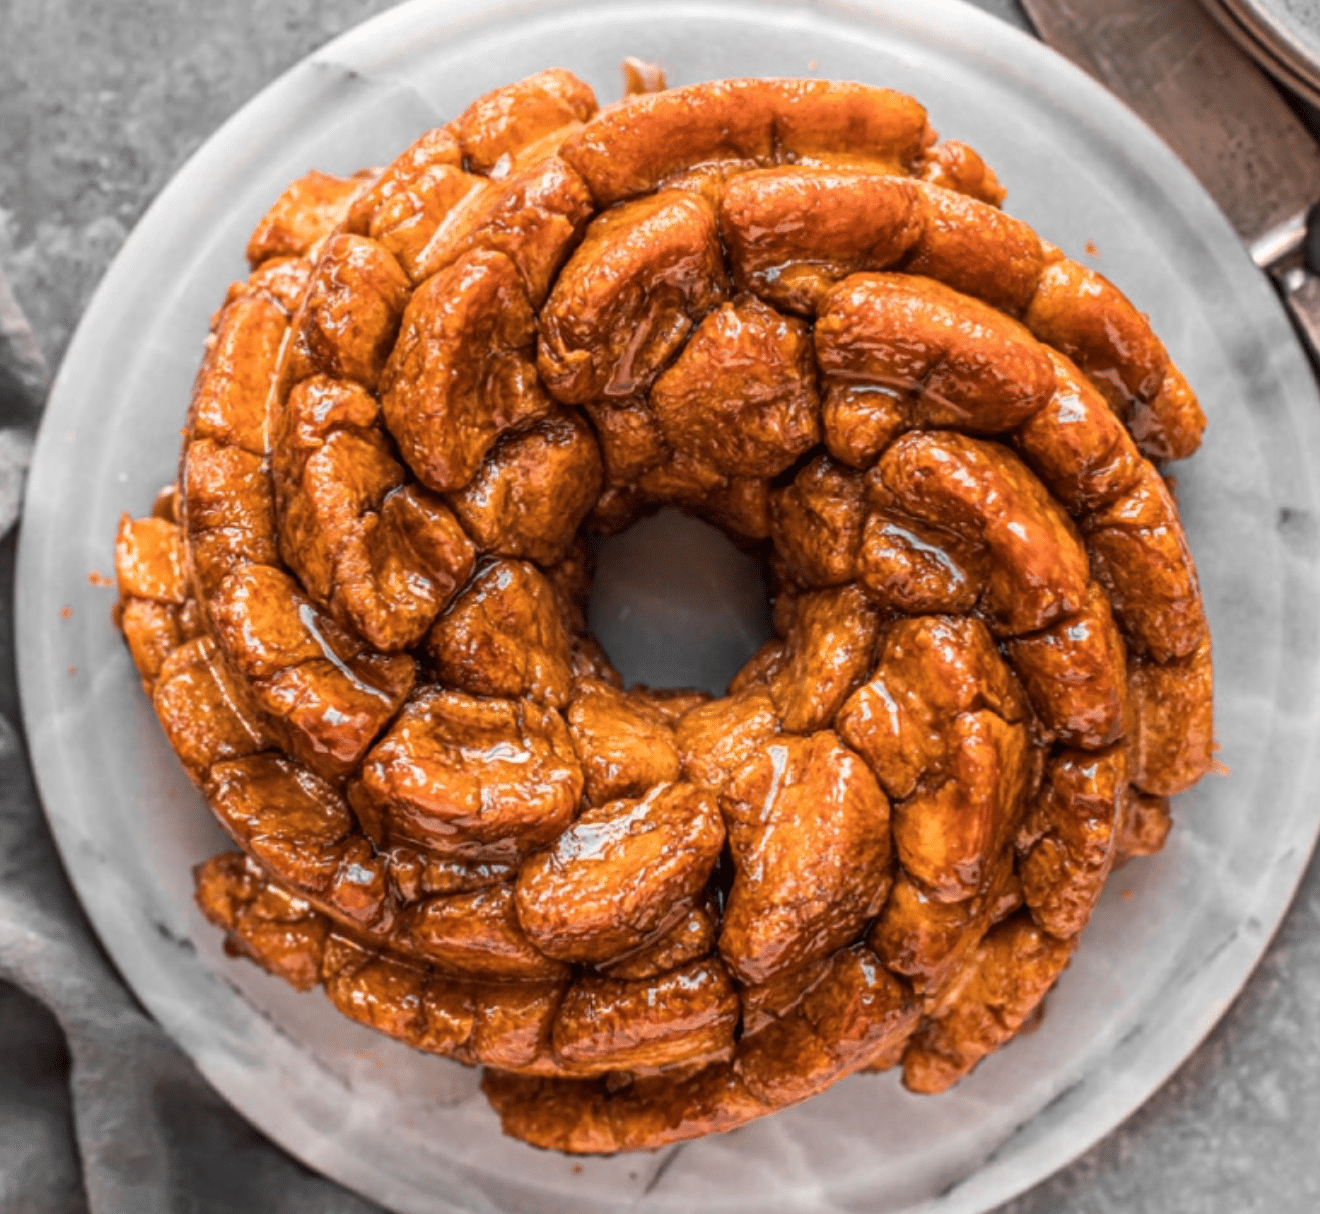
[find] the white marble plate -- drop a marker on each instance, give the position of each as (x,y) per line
(1175,936)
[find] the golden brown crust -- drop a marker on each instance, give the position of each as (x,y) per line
(622,874)
(306,213)
(1010,972)
(1084,316)
(955,166)
(781,306)
(1173,721)
(808,829)
(498,126)
(642,278)
(635,145)
(1069,838)
(462,373)
(1140,555)
(975,367)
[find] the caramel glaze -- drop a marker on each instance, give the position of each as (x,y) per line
(783,306)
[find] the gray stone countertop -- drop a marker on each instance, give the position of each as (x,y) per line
(101,102)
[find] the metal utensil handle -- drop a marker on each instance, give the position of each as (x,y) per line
(1301,295)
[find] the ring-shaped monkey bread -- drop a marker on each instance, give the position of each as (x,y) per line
(784,307)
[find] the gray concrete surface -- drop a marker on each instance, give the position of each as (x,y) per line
(100,101)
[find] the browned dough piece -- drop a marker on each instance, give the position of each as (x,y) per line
(617,509)
(432,212)
(1173,736)
(321,694)
(385,994)
(300,218)
(1076,675)
(165,504)
(980,491)
(685,1017)
(505,1023)
(964,363)
(793,232)
(930,670)
(500,1023)
(408,173)
(644,275)
(829,650)
(635,145)
(841,121)
(1012,971)
(857,1012)
(772,1000)
(919,568)
(672,703)
(533,490)
(630,438)
(503,636)
(713,738)
(1143,825)
(150,560)
(1171,425)
(737,504)
(1069,838)
(152,632)
(461,373)
(955,166)
(416,872)
(949,830)
(274,928)
(1140,556)
(495,128)
(692,937)
(228,513)
(973,247)
(534,218)
(861,420)
(199,712)
(511,1021)
(280,279)
(350,315)
(742,394)
(625,744)
(1076,444)
(816,523)
(809,832)
(230,397)
(927,941)
(763,667)
(477,934)
(1083,315)
(571,577)
(621,874)
(401,566)
(639,76)
(481,778)
(590,661)
(334,467)
(302,831)
(941,725)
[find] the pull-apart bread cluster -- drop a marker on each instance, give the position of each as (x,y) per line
(780,305)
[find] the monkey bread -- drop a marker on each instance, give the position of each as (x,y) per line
(781,306)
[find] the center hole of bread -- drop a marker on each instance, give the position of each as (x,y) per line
(675,604)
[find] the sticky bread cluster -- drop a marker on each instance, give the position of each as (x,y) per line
(780,305)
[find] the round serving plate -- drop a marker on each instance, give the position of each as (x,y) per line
(1175,936)
(1283,36)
